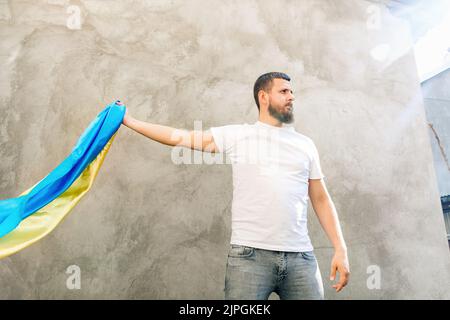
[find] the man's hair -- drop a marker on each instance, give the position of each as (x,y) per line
(264,82)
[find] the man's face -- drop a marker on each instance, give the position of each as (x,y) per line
(281,100)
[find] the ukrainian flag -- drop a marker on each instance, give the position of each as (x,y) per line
(37,211)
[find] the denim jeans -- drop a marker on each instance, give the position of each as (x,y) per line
(253,274)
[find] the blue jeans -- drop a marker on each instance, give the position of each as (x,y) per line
(253,274)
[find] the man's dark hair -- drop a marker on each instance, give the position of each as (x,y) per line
(264,82)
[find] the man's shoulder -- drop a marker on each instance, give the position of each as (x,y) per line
(231,126)
(302,136)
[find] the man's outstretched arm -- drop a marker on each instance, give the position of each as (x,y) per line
(327,215)
(194,139)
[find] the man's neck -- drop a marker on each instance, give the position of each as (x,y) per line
(270,120)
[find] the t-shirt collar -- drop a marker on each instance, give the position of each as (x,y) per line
(283,126)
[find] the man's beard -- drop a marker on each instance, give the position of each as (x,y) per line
(287,117)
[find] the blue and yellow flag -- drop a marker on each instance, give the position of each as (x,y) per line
(37,211)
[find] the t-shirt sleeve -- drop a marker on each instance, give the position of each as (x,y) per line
(224,137)
(315,171)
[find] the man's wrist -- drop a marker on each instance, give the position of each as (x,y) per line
(340,249)
(127,121)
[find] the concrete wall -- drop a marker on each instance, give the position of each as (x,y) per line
(437,108)
(437,105)
(152,229)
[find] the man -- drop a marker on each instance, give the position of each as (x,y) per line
(275,171)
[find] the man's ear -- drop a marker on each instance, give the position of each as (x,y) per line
(262,96)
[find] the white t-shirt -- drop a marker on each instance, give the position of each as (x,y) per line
(271,167)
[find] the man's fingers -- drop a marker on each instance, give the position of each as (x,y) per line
(333,272)
(337,287)
(343,277)
(343,280)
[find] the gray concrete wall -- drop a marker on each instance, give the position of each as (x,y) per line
(437,105)
(152,229)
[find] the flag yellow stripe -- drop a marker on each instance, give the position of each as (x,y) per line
(42,222)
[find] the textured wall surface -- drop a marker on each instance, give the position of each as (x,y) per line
(437,105)
(153,229)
